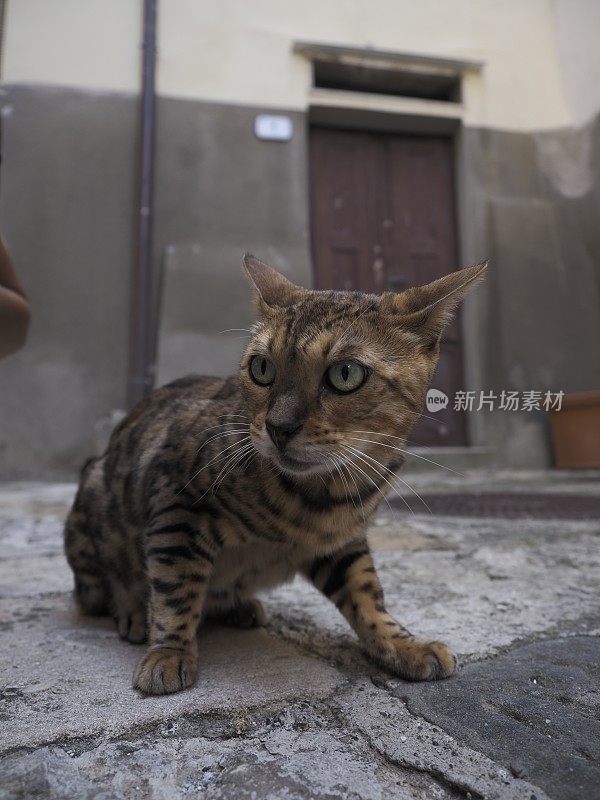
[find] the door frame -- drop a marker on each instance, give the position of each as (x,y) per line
(371,119)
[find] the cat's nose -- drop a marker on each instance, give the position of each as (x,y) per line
(282,432)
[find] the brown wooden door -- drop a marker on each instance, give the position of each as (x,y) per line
(382,218)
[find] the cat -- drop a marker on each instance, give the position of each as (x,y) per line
(213,489)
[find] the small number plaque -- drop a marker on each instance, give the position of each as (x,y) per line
(273,127)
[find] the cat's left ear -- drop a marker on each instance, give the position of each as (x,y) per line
(274,290)
(426,310)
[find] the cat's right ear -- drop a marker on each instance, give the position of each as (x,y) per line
(426,310)
(273,289)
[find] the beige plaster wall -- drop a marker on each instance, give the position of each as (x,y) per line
(541,64)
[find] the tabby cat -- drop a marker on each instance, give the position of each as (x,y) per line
(211,490)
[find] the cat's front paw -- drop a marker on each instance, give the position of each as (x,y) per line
(165,670)
(416,660)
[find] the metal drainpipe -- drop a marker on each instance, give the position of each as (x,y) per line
(141,369)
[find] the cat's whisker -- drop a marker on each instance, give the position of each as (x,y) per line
(414,491)
(220,436)
(222,424)
(219,457)
(348,493)
(208,463)
(332,460)
(344,465)
(241,426)
(339,464)
(236,330)
(233,461)
(351,462)
(242,443)
(398,478)
(361,471)
(251,458)
(402,450)
(405,483)
(363,457)
(230,427)
(225,435)
(247,461)
(228,459)
(424,416)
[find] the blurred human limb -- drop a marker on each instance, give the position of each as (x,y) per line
(14,308)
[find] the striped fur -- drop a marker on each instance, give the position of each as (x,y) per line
(194,507)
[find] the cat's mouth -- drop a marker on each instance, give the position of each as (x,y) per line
(297,466)
(310,463)
(293,464)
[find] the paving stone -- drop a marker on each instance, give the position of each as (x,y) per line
(536,710)
(405,739)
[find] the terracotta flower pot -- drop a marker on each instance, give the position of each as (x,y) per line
(576,431)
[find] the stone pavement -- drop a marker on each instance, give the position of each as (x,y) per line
(295,711)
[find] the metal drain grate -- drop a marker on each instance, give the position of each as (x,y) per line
(504,505)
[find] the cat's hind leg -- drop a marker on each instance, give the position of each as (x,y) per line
(247,612)
(125,574)
(91,591)
(128,601)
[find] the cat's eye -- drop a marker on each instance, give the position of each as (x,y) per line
(262,370)
(345,376)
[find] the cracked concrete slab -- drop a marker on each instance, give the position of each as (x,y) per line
(296,754)
(296,711)
(72,676)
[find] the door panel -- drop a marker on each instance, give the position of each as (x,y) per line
(423,204)
(340,165)
(382,215)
